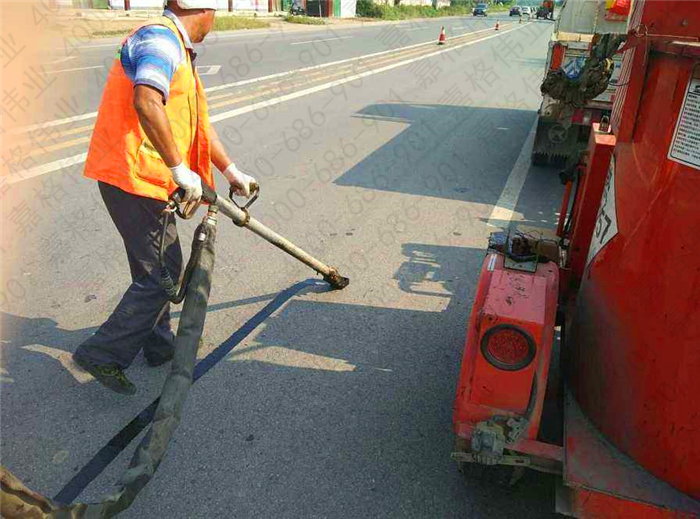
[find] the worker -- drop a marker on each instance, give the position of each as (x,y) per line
(152,136)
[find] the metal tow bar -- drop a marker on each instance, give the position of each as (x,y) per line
(241,217)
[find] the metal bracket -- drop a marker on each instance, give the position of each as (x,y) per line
(506,459)
(522,266)
(517,428)
(488,442)
(184,210)
(246,207)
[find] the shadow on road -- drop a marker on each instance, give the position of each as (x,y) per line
(476,150)
(347,405)
(344,410)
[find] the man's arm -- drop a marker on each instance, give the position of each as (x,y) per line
(148,103)
(243,185)
(149,58)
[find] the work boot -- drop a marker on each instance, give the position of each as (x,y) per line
(112,377)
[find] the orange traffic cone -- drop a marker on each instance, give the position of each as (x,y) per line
(498,25)
(442,39)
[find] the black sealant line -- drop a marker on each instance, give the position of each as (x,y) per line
(121,440)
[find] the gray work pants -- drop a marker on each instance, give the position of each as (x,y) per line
(142,317)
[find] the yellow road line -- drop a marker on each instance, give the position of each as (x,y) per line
(292,81)
(74,131)
(59,146)
(57,165)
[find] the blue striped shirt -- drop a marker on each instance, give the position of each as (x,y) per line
(152,54)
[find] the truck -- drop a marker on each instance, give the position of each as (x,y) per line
(582,352)
(546,10)
(563,130)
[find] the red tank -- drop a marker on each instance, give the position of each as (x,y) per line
(635,332)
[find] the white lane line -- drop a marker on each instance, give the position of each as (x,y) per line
(61,60)
(49,167)
(502,212)
(116,44)
(48,124)
(90,115)
(72,69)
(77,159)
(208,70)
(315,67)
(271,102)
(318,41)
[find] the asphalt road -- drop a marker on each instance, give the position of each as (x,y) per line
(339,403)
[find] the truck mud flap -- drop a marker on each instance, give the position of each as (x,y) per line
(555,144)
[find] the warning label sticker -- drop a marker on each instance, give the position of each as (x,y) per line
(685,146)
(606,223)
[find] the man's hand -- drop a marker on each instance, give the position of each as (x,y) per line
(189,181)
(242,184)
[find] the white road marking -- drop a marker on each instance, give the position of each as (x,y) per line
(271,102)
(208,70)
(66,360)
(502,212)
(90,115)
(49,167)
(72,69)
(116,45)
(60,60)
(318,41)
(312,67)
(49,124)
(77,159)
(5,376)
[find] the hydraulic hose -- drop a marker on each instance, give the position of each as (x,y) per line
(19,502)
(166,281)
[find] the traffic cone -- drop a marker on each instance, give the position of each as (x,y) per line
(498,25)
(442,39)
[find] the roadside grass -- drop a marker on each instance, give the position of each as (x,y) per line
(232,23)
(367,9)
(223,23)
(304,20)
(116,32)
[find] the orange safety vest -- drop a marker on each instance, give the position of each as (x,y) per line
(120,154)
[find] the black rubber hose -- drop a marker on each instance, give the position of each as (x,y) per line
(166,281)
(154,445)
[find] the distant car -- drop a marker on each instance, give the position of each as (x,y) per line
(480,10)
(526,11)
(515,10)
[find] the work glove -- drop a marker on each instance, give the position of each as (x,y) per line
(242,184)
(189,181)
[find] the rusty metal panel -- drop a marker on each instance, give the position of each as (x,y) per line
(593,465)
